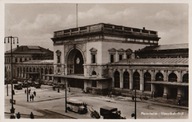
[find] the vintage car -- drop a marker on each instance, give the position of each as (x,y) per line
(37,85)
(110,113)
(76,106)
(18,86)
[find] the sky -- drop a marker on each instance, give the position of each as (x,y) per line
(34,23)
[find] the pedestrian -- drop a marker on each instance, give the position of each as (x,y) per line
(179,102)
(29,91)
(34,93)
(25,91)
(132,98)
(32,115)
(32,97)
(18,115)
(13,92)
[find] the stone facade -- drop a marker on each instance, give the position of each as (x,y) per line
(29,62)
(106,56)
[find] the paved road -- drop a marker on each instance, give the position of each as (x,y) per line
(50,104)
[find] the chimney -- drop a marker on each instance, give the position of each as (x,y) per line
(143,28)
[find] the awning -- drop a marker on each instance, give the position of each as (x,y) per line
(78,77)
(168,83)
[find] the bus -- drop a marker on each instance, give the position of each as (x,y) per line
(76,106)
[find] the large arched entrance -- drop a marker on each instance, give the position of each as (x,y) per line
(75,62)
(126,80)
(172,89)
(159,87)
(116,79)
(136,80)
(75,66)
(147,77)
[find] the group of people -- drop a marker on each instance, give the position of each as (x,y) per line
(32,95)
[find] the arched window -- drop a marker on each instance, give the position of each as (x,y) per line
(46,71)
(147,77)
(185,78)
(50,71)
(93,55)
(172,77)
(159,76)
(136,80)
(126,80)
(58,53)
(33,69)
(94,73)
(117,79)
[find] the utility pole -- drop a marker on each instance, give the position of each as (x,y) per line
(135,104)
(11,40)
(76,15)
(66,96)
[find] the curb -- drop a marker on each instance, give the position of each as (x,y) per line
(61,114)
(167,105)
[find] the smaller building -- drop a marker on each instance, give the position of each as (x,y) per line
(29,62)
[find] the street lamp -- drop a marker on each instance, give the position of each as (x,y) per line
(11,40)
(66,96)
(27,92)
(135,113)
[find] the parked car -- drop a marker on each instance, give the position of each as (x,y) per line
(110,113)
(37,85)
(18,86)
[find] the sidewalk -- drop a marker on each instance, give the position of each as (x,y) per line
(151,101)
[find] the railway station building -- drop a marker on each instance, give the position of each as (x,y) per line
(102,57)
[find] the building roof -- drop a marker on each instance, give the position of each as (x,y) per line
(154,61)
(28,49)
(107,29)
(38,62)
(167,47)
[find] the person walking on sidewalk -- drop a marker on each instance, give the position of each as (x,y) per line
(32,97)
(32,115)
(34,93)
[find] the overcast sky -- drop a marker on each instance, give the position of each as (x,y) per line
(34,24)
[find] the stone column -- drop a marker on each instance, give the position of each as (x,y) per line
(141,81)
(121,79)
(152,79)
(165,75)
(131,80)
(179,79)
(43,74)
(165,92)
(112,75)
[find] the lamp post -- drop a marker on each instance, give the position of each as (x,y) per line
(27,92)
(11,40)
(135,112)
(135,104)
(66,96)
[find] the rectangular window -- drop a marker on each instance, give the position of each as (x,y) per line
(120,57)
(128,56)
(94,83)
(93,58)
(58,59)
(111,58)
